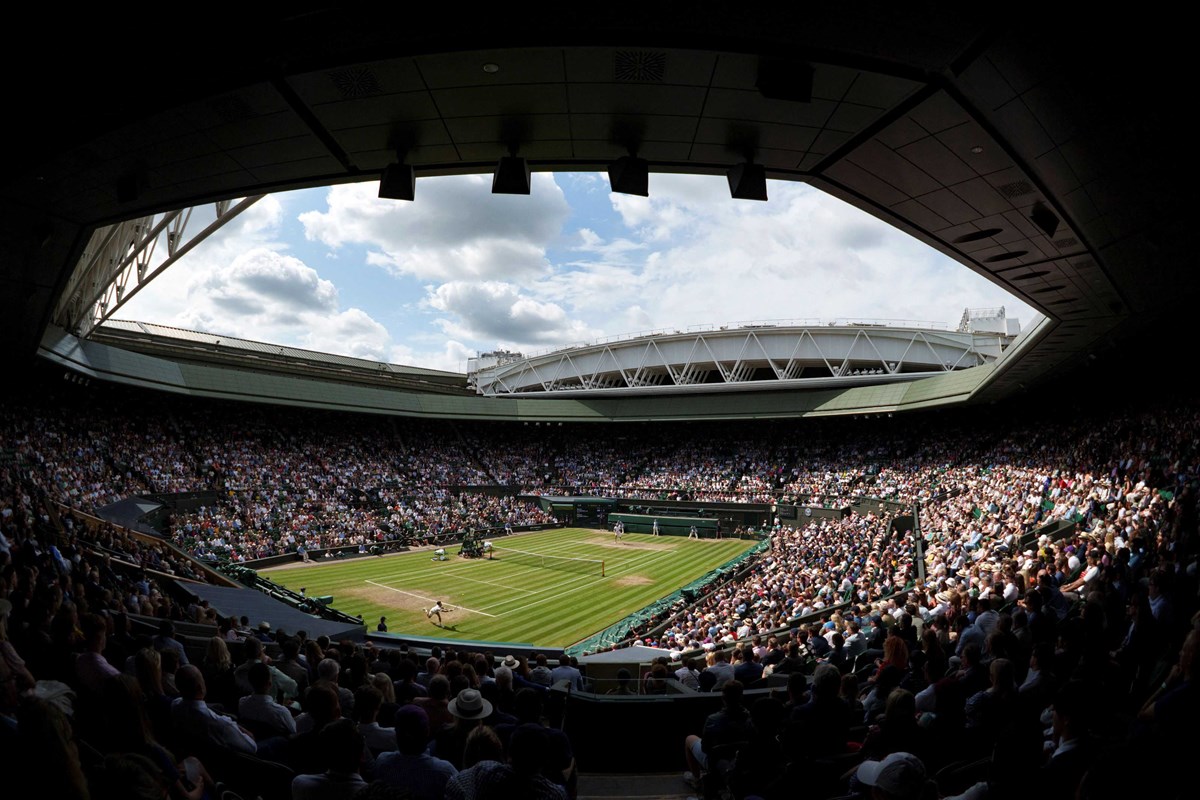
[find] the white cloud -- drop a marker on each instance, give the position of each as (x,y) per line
(455,230)
(451,357)
(168,296)
(587,180)
(261,219)
(620,250)
(479,259)
(588,238)
(710,259)
(595,289)
(352,332)
(677,204)
(271,278)
(484,271)
(269,296)
(498,312)
(635,318)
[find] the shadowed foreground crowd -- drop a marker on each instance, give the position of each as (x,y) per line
(1018,665)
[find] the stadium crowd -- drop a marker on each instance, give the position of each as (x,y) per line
(806,570)
(1034,632)
(250,525)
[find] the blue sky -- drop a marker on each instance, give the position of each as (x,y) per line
(458,271)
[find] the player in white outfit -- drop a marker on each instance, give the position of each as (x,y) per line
(436,611)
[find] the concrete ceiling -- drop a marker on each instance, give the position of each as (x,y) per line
(954,125)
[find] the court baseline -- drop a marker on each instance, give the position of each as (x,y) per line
(428,599)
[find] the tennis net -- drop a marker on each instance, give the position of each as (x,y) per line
(588,566)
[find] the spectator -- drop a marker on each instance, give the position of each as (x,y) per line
(259,710)
(566,671)
(410,768)
(725,727)
(900,776)
(91,667)
(343,748)
(190,713)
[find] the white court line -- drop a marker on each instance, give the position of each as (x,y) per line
(456,570)
(427,599)
(627,567)
(620,569)
(454,567)
(458,576)
(555,554)
(590,555)
(577,588)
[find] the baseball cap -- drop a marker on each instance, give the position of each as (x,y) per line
(901,775)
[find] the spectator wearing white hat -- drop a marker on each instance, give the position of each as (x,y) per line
(469,710)
(900,776)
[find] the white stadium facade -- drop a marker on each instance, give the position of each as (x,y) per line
(749,357)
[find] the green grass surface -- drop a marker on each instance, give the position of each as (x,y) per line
(501,601)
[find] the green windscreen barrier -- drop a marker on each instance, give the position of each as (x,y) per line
(667,526)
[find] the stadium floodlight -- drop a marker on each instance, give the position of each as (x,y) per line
(747,181)
(511,176)
(398,182)
(1044,218)
(630,175)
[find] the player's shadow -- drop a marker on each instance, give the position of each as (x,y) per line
(449,628)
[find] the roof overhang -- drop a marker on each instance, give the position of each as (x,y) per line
(1028,157)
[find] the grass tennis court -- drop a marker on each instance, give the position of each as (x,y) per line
(504,600)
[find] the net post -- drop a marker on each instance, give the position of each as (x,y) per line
(601,568)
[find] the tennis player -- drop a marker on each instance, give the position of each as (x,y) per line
(436,611)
